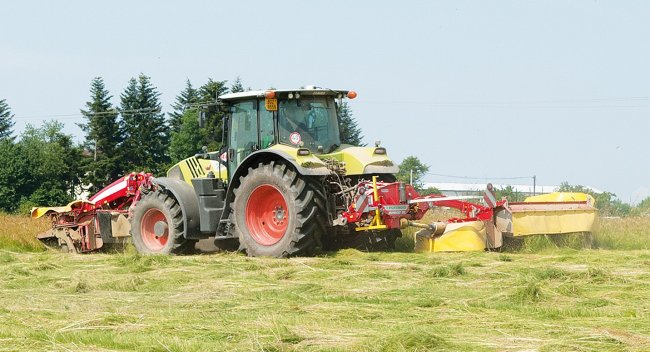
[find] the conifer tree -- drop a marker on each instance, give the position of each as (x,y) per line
(350,131)
(185,100)
(102,138)
(188,140)
(145,131)
(237,86)
(208,92)
(6,121)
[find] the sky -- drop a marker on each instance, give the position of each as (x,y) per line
(488,90)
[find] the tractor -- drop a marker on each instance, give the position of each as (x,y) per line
(284,184)
(278,188)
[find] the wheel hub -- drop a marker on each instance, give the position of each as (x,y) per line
(279,215)
(160,228)
(154,229)
(267,215)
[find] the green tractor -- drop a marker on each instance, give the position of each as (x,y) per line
(278,187)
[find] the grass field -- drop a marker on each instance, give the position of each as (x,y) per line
(545,298)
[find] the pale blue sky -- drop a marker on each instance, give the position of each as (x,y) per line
(557,89)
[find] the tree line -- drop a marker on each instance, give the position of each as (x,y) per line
(44,165)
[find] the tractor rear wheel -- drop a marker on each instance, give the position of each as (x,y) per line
(157,225)
(278,212)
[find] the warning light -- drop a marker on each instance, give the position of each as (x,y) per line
(352,94)
(269,94)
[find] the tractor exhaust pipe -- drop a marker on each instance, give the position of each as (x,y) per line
(402,192)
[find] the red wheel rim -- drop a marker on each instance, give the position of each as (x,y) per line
(267,216)
(154,238)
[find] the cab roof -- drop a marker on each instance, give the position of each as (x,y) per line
(313,91)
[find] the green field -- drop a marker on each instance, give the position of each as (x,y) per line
(541,299)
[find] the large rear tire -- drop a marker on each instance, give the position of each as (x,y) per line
(278,212)
(157,225)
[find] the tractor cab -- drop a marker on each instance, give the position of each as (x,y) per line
(299,118)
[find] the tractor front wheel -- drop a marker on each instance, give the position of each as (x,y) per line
(278,212)
(157,225)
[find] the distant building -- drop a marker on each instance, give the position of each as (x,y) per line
(470,189)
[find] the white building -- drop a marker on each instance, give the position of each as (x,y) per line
(469,189)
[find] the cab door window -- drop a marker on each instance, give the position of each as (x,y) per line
(243,132)
(267,132)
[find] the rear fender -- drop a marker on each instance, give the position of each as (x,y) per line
(189,203)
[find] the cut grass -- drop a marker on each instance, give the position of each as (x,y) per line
(17,233)
(577,300)
(546,297)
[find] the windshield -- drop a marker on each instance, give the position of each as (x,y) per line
(310,121)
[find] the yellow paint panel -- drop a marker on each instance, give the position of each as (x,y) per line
(40,211)
(458,237)
(308,161)
(213,165)
(554,213)
(553,222)
(356,159)
(199,168)
(562,197)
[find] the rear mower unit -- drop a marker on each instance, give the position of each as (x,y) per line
(85,226)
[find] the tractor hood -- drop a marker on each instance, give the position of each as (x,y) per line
(363,160)
(358,160)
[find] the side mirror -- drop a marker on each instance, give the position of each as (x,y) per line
(202,118)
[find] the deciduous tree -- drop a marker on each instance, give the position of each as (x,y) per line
(606,202)
(412,166)
(44,168)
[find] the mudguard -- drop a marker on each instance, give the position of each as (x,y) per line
(189,203)
(306,165)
